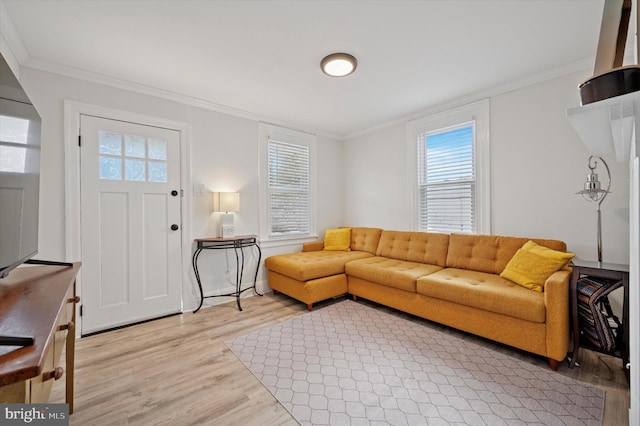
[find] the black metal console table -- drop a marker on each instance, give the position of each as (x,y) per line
(237,244)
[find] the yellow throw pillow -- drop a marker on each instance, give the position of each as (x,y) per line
(337,239)
(533,264)
(547,252)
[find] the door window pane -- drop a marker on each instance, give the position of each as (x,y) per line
(110,168)
(14,130)
(157,149)
(135,170)
(110,143)
(157,171)
(12,159)
(135,146)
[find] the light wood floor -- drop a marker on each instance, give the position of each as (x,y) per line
(178,371)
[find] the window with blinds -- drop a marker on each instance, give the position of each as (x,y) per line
(447,180)
(288,188)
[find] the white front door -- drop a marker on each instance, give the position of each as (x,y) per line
(130,222)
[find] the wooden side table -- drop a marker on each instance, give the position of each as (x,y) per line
(599,270)
(39,301)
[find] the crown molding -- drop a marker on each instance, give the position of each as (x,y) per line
(80,74)
(10,45)
(581,65)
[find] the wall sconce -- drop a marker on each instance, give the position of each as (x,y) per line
(593,192)
(226,202)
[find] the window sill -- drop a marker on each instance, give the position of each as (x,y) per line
(287,241)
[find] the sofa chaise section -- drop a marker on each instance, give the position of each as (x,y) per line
(316,274)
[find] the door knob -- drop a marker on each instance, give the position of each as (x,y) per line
(174,227)
(174,193)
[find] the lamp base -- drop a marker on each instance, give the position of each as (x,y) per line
(226,225)
(227,231)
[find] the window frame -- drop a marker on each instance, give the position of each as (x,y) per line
(478,113)
(266,133)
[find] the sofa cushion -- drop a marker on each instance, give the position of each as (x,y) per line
(365,239)
(423,247)
(484,291)
(313,245)
(489,253)
(304,266)
(395,273)
(337,239)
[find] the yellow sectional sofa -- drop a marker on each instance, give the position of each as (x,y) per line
(452,279)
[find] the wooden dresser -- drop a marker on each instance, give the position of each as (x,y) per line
(38,301)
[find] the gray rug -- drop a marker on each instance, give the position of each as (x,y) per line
(350,364)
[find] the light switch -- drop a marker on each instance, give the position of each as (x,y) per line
(199,189)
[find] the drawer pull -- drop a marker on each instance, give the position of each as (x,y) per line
(74,300)
(70,326)
(55,374)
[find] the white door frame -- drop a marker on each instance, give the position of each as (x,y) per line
(73,247)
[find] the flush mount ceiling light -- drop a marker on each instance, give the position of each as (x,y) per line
(338,64)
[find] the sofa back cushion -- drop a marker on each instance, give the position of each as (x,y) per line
(365,239)
(489,253)
(422,247)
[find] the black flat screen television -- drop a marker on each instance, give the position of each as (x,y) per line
(19,173)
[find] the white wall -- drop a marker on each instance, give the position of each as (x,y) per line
(376,187)
(537,164)
(223,156)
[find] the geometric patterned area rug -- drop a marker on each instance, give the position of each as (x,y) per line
(351,364)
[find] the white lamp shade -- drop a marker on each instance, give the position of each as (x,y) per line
(226,201)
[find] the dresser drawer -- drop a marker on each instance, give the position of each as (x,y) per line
(41,385)
(15,393)
(35,390)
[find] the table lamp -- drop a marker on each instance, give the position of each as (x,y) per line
(226,202)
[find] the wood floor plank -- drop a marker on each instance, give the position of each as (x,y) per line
(178,371)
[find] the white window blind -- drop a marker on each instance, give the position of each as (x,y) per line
(447,180)
(288,188)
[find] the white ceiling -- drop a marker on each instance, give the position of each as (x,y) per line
(262,57)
